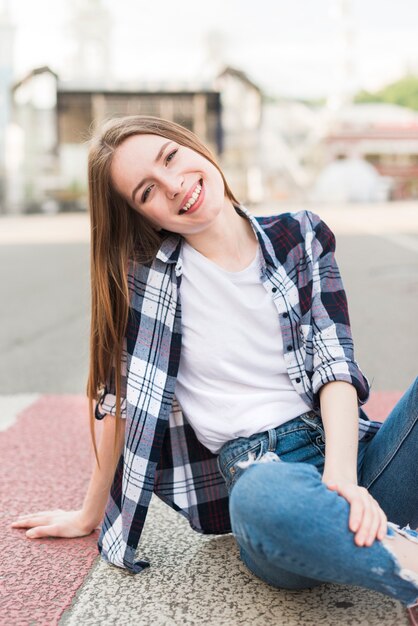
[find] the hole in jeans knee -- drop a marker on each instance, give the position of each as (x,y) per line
(396,543)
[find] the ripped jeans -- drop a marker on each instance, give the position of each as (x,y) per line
(292,530)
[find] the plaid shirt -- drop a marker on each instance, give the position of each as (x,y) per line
(300,272)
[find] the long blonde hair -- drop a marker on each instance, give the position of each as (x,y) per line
(119,234)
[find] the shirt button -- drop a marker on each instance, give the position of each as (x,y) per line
(232,470)
(290,348)
(285,314)
(274,289)
(297,380)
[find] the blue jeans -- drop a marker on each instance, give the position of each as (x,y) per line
(292,530)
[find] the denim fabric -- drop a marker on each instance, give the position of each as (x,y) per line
(292,530)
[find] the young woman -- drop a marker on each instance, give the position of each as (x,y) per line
(222,350)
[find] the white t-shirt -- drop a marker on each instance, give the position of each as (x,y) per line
(232,380)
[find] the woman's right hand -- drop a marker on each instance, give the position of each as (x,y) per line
(58,523)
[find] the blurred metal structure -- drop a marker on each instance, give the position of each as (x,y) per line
(90,31)
(7,33)
(342,86)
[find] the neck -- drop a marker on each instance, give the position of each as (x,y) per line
(229,241)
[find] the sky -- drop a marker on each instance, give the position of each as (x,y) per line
(295,48)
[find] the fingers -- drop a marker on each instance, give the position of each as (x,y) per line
(39,527)
(29,521)
(370,526)
(379,524)
(43,531)
(369,521)
(56,523)
(356,514)
(32,519)
(366,519)
(383,526)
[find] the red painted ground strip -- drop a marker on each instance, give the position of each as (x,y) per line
(381,403)
(46,464)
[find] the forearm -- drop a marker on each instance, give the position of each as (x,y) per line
(339,412)
(101,479)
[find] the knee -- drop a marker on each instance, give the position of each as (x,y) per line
(411,394)
(273,493)
(413,387)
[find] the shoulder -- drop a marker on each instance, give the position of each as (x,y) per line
(301,228)
(306,221)
(138,277)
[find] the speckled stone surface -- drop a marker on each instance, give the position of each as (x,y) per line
(199,580)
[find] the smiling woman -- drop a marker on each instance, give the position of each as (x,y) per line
(174,179)
(148,178)
(224,341)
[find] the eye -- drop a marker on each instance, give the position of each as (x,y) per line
(170,156)
(148,189)
(146,193)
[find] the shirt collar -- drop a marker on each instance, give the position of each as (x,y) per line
(169,250)
(264,240)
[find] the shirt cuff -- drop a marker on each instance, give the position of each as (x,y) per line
(346,371)
(106,405)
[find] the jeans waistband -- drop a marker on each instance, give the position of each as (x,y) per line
(268,437)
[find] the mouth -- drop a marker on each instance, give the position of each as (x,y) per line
(193,199)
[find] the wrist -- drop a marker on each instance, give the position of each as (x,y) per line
(331,475)
(87,522)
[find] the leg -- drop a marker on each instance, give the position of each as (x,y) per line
(285,519)
(405,550)
(291,443)
(390,465)
(272,574)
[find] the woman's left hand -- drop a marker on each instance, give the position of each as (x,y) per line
(367,520)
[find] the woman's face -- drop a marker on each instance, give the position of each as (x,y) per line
(172,186)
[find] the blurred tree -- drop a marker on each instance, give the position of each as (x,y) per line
(403,92)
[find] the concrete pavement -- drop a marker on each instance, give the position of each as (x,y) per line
(44,274)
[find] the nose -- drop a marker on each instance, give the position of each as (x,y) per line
(174,186)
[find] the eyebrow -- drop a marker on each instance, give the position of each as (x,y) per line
(157,158)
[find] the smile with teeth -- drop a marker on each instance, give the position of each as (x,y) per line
(192,200)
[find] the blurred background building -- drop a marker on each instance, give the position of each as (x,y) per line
(372,149)
(347,146)
(56,119)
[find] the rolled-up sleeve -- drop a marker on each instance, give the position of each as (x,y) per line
(106,403)
(333,357)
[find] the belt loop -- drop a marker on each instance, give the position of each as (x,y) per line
(272,440)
